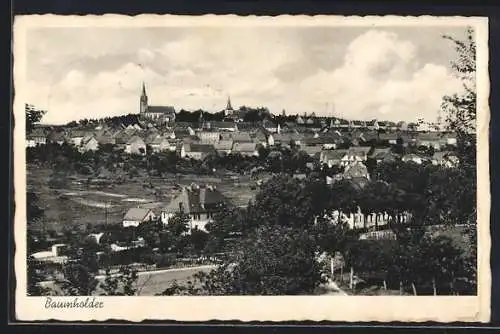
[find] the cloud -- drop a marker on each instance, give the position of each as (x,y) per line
(375,74)
(381,78)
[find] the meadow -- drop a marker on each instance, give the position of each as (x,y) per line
(70,200)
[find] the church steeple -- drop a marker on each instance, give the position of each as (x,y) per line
(144,99)
(229,107)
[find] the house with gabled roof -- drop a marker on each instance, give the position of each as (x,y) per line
(136,216)
(135,145)
(357,124)
(382,155)
(88,143)
(57,136)
(37,137)
(224,147)
(158,143)
(312,151)
(285,138)
(429,139)
(245,149)
(445,159)
(182,132)
(356,170)
(388,138)
(200,203)
(241,137)
(76,137)
(333,157)
(199,151)
(260,137)
(208,136)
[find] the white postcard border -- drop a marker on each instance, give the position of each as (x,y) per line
(275,308)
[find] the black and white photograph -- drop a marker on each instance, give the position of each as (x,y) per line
(235,157)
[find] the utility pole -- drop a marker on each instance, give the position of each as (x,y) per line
(106,212)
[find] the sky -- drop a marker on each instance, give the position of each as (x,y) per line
(387,73)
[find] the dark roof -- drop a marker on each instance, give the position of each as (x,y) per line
(333,154)
(243,137)
(38,132)
(56,136)
(431,136)
(161,109)
(389,136)
(197,199)
(199,148)
(244,147)
(380,152)
(369,135)
(221,125)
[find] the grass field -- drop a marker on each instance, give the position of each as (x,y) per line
(72,202)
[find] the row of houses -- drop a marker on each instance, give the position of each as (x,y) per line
(345,157)
(134,139)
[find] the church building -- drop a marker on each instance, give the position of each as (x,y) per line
(231,115)
(157,114)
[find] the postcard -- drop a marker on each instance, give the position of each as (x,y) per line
(287,168)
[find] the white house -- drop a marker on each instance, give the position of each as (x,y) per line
(54,255)
(135,145)
(89,143)
(200,203)
(245,149)
(136,216)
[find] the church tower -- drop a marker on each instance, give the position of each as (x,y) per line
(229,109)
(144,100)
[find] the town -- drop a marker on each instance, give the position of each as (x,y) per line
(151,190)
(239,182)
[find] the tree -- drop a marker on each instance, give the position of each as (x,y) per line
(460,108)
(77,281)
(34,215)
(178,224)
(33,116)
(34,278)
(123,283)
(272,260)
(286,201)
(198,240)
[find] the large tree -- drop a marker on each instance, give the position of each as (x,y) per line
(461,110)
(33,116)
(461,107)
(272,260)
